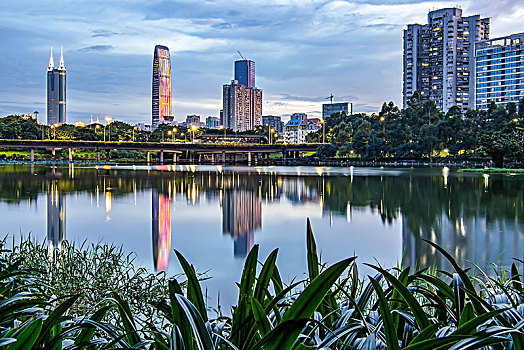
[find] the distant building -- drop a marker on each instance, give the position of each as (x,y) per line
(56,91)
(242,107)
(143,127)
(296,130)
(439,58)
(330,108)
(231,138)
(301,116)
(274,122)
(212,123)
(500,70)
(245,73)
(161,94)
(193,120)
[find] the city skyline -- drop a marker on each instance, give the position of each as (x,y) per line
(304,52)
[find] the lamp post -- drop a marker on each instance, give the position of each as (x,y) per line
(193,129)
(323,130)
(174,132)
(169,133)
(134,128)
(222,127)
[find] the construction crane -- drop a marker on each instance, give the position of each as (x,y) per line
(330,98)
(241,55)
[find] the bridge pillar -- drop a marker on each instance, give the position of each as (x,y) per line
(98,156)
(248,158)
(70,154)
(223,156)
(174,157)
(107,154)
(256,158)
(200,158)
(53,152)
(32,155)
(284,157)
(148,157)
(161,157)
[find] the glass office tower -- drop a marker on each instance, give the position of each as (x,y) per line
(56,91)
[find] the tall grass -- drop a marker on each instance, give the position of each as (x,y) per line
(332,308)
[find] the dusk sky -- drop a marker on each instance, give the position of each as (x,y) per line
(304,50)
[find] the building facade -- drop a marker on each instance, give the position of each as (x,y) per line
(242,107)
(212,123)
(330,108)
(438,60)
(245,73)
(500,70)
(296,130)
(161,90)
(274,122)
(242,101)
(56,91)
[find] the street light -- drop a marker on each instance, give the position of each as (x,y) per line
(323,130)
(193,129)
(134,128)
(174,132)
(271,131)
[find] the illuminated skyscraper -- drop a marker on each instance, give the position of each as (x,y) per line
(56,91)
(161,96)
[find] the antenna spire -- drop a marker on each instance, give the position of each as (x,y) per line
(62,65)
(51,61)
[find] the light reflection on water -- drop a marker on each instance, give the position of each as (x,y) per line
(215,214)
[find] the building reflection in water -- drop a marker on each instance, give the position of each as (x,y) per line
(467,239)
(241,217)
(161,230)
(55,217)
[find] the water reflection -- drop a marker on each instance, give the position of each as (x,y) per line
(476,218)
(55,217)
(241,218)
(161,227)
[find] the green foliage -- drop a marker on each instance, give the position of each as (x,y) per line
(395,309)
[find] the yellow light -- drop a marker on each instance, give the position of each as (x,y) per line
(175,129)
(221,127)
(193,127)
(169,132)
(382,119)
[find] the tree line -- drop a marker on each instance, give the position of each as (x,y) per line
(423,131)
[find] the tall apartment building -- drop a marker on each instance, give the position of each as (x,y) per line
(242,101)
(439,58)
(500,70)
(161,87)
(56,91)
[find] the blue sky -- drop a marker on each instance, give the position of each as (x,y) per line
(304,50)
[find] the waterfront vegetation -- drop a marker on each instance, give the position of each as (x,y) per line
(46,304)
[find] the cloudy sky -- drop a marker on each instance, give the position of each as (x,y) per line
(304,50)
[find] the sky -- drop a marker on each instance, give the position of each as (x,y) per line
(305,50)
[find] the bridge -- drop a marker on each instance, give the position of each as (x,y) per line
(219,152)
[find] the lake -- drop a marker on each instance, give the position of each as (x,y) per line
(215,214)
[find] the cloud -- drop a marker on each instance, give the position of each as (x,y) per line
(304,50)
(97,48)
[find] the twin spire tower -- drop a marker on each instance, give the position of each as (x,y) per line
(56,91)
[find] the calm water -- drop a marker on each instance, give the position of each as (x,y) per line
(214,215)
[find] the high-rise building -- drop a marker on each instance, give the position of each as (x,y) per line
(500,70)
(245,73)
(242,101)
(161,94)
(242,107)
(330,108)
(56,91)
(439,58)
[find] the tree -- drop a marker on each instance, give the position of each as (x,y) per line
(326,151)
(428,139)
